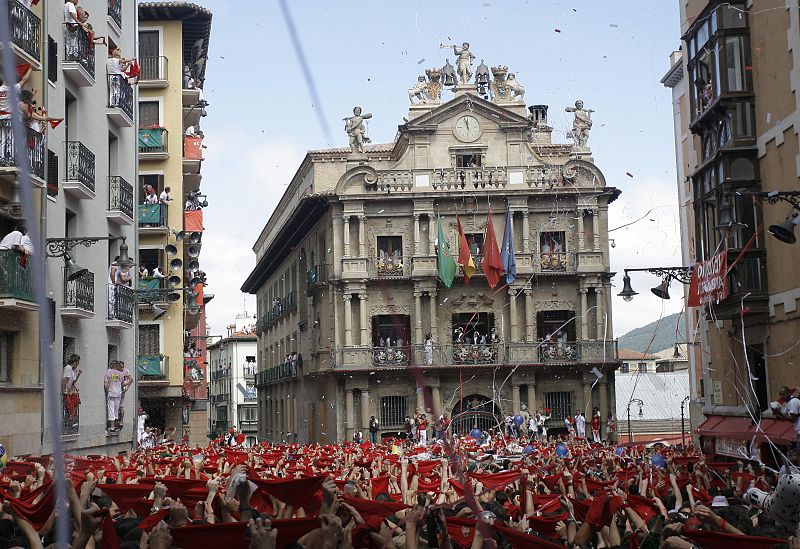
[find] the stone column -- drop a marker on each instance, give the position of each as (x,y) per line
(363,320)
(421,399)
(603,384)
(348,320)
(532,405)
(584,314)
(346,235)
(337,339)
(512,299)
(417,250)
(596,229)
(437,401)
(349,407)
(587,394)
(362,236)
(432,236)
(515,398)
(607,308)
(526,232)
(581,233)
(418,337)
(530,320)
(365,410)
(601,314)
(434,315)
(338,249)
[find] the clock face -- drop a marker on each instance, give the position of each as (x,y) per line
(467,128)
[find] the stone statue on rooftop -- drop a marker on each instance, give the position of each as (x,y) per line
(356,129)
(581,124)
(419,91)
(464,58)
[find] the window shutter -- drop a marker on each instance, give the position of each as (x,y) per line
(52,173)
(52,59)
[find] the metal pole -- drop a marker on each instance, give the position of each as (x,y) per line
(683,423)
(630,434)
(52,374)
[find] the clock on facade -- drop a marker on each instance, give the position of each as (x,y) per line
(467,128)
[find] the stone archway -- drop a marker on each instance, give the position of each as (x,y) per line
(474,412)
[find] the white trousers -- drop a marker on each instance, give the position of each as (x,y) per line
(113,407)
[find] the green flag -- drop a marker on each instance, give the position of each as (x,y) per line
(445,261)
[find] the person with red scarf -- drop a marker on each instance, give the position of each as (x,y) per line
(596,425)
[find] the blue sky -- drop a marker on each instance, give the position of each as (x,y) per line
(262,119)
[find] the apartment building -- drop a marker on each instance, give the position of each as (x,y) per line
(232,373)
(736,108)
(171,361)
(347,274)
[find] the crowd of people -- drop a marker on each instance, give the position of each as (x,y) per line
(519,493)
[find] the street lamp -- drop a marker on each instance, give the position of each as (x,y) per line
(681,274)
(683,421)
(60,247)
(785,231)
(641,414)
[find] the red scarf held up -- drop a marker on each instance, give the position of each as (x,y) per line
(602,510)
(644,507)
(380,485)
(461,530)
(294,491)
(35,513)
(231,535)
(126,496)
(373,512)
(720,540)
(521,540)
(110,539)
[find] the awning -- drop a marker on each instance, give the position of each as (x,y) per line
(779,432)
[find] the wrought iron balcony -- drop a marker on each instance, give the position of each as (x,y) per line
(121,301)
(25,29)
(152,368)
(34,146)
(281,372)
(79,294)
(120,196)
(317,275)
(290,302)
(153,68)
(556,261)
(78,49)
(80,165)
(120,94)
(16,281)
(115,11)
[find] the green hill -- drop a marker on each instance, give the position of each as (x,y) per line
(638,338)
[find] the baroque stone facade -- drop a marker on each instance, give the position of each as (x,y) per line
(346,276)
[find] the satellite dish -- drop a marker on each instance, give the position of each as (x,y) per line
(176,264)
(193,251)
(171,249)
(174,281)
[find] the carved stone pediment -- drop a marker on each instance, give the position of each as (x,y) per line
(554,305)
(359,178)
(467,102)
(471,302)
(389,309)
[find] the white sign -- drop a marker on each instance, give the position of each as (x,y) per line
(731,447)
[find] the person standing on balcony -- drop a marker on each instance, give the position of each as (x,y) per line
(429,349)
(127,381)
(164,197)
(115,67)
(69,389)
(72,24)
(112,383)
(150,196)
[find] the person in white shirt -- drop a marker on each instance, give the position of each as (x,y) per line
(164,196)
(12,241)
(157,273)
(115,67)
(789,411)
(4,104)
(580,424)
(72,24)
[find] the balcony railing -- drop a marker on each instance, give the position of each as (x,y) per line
(15,281)
(470,178)
(556,261)
(152,367)
(505,354)
(317,275)
(120,94)
(121,301)
(79,293)
(152,215)
(248,425)
(153,140)
(79,49)
(389,267)
(120,195)
(290,301)
(34,146)
(150,289)
(115,11)
(80,164)
(153,68)
(478,260)
(25,28)
(286,370)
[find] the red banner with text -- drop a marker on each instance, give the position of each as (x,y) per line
(709,281)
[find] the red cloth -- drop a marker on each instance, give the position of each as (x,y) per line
(644,507)
(149,522)
(380,485)
(110,539)
(133,69)
(457,486)
(496,480)
(492,265)
(231,535)
(126,495)
(521,540)
(546,526)
(193,221)
(71,403)
(373,512)
(581,507)
(602,510)
(719,540)
(38,513)
(464,253)
(294,492)
(461,530)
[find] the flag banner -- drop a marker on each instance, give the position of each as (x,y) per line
(709,283)
(445,262)
(492,265)
(508,256)
(465,258)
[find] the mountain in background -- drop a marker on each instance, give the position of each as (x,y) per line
(639,338)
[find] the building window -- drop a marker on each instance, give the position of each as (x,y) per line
(556,326)
(6,354)
(393,411)
(52,59)
(552,242)
(391,330)
(390,247)
(468,161)
(702,389)
(643,367)
(473,328)
(248,413)
(150,339)
(625,368)
(52,173)
(148,114)
(559,403)
(665,367)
